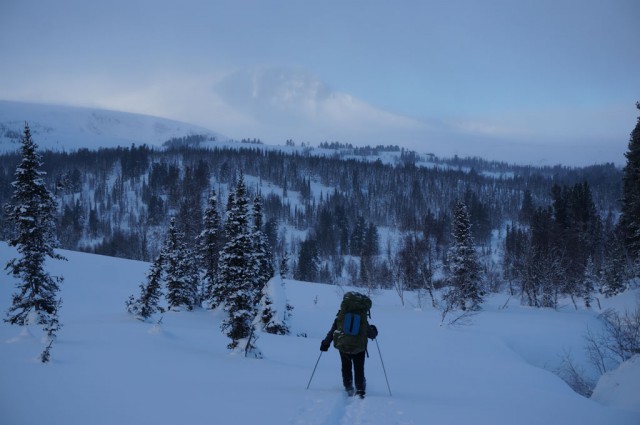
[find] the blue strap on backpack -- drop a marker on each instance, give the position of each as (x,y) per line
(351,325)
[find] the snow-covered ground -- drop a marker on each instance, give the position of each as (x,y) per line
(109,368)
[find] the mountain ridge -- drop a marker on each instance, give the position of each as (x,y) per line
(62,127)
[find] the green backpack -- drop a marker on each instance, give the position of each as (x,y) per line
(350,335)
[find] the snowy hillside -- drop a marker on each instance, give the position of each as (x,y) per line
(109,368)
(67,128)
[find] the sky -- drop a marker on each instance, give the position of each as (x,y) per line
(544,81)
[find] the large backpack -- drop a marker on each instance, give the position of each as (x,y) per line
(350,335)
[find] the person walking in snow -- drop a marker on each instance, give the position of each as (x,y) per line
(349,334)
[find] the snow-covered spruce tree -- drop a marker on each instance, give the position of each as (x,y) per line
(180,271)
(274,310)
(549,271)
(630,218)
(32,213)
(516,247)
(219,290)
(284,265)
(51,329)
(613,274)
(150,293)
(464,273)
(308,264)
(590,282)
(209,245)
(261,250)
(175,268)
(237,271)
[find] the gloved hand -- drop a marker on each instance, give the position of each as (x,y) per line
(372,332)
(324,345)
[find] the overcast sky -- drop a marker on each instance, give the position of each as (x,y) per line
(542,81)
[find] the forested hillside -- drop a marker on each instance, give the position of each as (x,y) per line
(377,216)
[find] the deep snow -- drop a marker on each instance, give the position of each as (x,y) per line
(109,368)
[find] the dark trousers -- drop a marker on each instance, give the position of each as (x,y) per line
(353,362)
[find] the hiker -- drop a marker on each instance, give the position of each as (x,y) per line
(349,334)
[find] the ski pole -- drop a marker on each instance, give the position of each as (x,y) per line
(314,369)
(383,369)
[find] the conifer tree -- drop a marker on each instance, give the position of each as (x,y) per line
(210,243)
(237,270)
(527,209)
(261,251)
(590,282)
(630,218)
(180,271)
(464,277)
(516,247)
(284,265)
(150,293)
(613,281)
(174,268)
(271,313)
(274,311)
(308,264)
(32,213)
(51,329)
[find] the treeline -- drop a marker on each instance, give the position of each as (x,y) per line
(565,248)
(339,220)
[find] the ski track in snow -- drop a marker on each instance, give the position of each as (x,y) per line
(354,413)
(343,410)
(320,411)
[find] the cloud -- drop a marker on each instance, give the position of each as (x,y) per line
(291,102)
(279,103)
(486,128)
(272,92)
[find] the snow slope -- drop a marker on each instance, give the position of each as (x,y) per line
(109,368)
(57,127)
(68,128)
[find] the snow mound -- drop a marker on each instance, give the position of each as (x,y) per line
(620,388)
